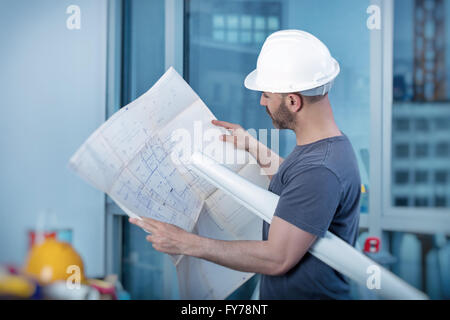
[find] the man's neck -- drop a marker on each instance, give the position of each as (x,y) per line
(317,123)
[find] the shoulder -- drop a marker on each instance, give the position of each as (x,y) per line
(308,158)
(331,156)
(312,175)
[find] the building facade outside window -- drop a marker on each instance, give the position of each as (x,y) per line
(421,108)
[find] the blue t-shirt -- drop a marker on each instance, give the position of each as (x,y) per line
(319,188)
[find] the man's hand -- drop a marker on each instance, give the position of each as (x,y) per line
(165,237)
(266,158)
(239,137)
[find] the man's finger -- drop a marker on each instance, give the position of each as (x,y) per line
(133,220)
(150,238)
(224,124)
(142,224)
(150,227)
(152,222)
(146,226)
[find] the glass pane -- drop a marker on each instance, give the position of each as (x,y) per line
(146,273)
(219,61)
(421,108)
(143,47)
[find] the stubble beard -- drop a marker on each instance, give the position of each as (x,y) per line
(282,118)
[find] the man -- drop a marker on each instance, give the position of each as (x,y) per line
(318,183)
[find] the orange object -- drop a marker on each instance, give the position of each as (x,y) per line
(53,260)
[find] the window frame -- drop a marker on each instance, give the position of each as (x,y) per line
(113,214)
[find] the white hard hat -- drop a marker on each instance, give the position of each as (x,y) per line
(293,61)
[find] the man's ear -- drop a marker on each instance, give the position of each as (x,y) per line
(295,102)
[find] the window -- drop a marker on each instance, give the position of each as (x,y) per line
(440,177)
(401,124)
(221,58)
(145,273)
(421,176)
(422,124)
(420,201)
(218,63)
(421,150)
(401,177)
(401,201)
(402,150)
(421,102)
(442,149)
(442,124)
(440,201)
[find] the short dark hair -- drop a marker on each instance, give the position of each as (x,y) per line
(308,99)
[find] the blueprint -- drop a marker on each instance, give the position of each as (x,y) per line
(140,158)
(129,159)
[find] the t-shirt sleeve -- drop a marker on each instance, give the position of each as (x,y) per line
(310,199)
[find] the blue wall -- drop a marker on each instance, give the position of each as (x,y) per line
(52,96)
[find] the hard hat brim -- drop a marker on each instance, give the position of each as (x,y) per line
(251,82)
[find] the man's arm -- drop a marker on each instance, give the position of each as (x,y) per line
(285,246)
(266,158)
